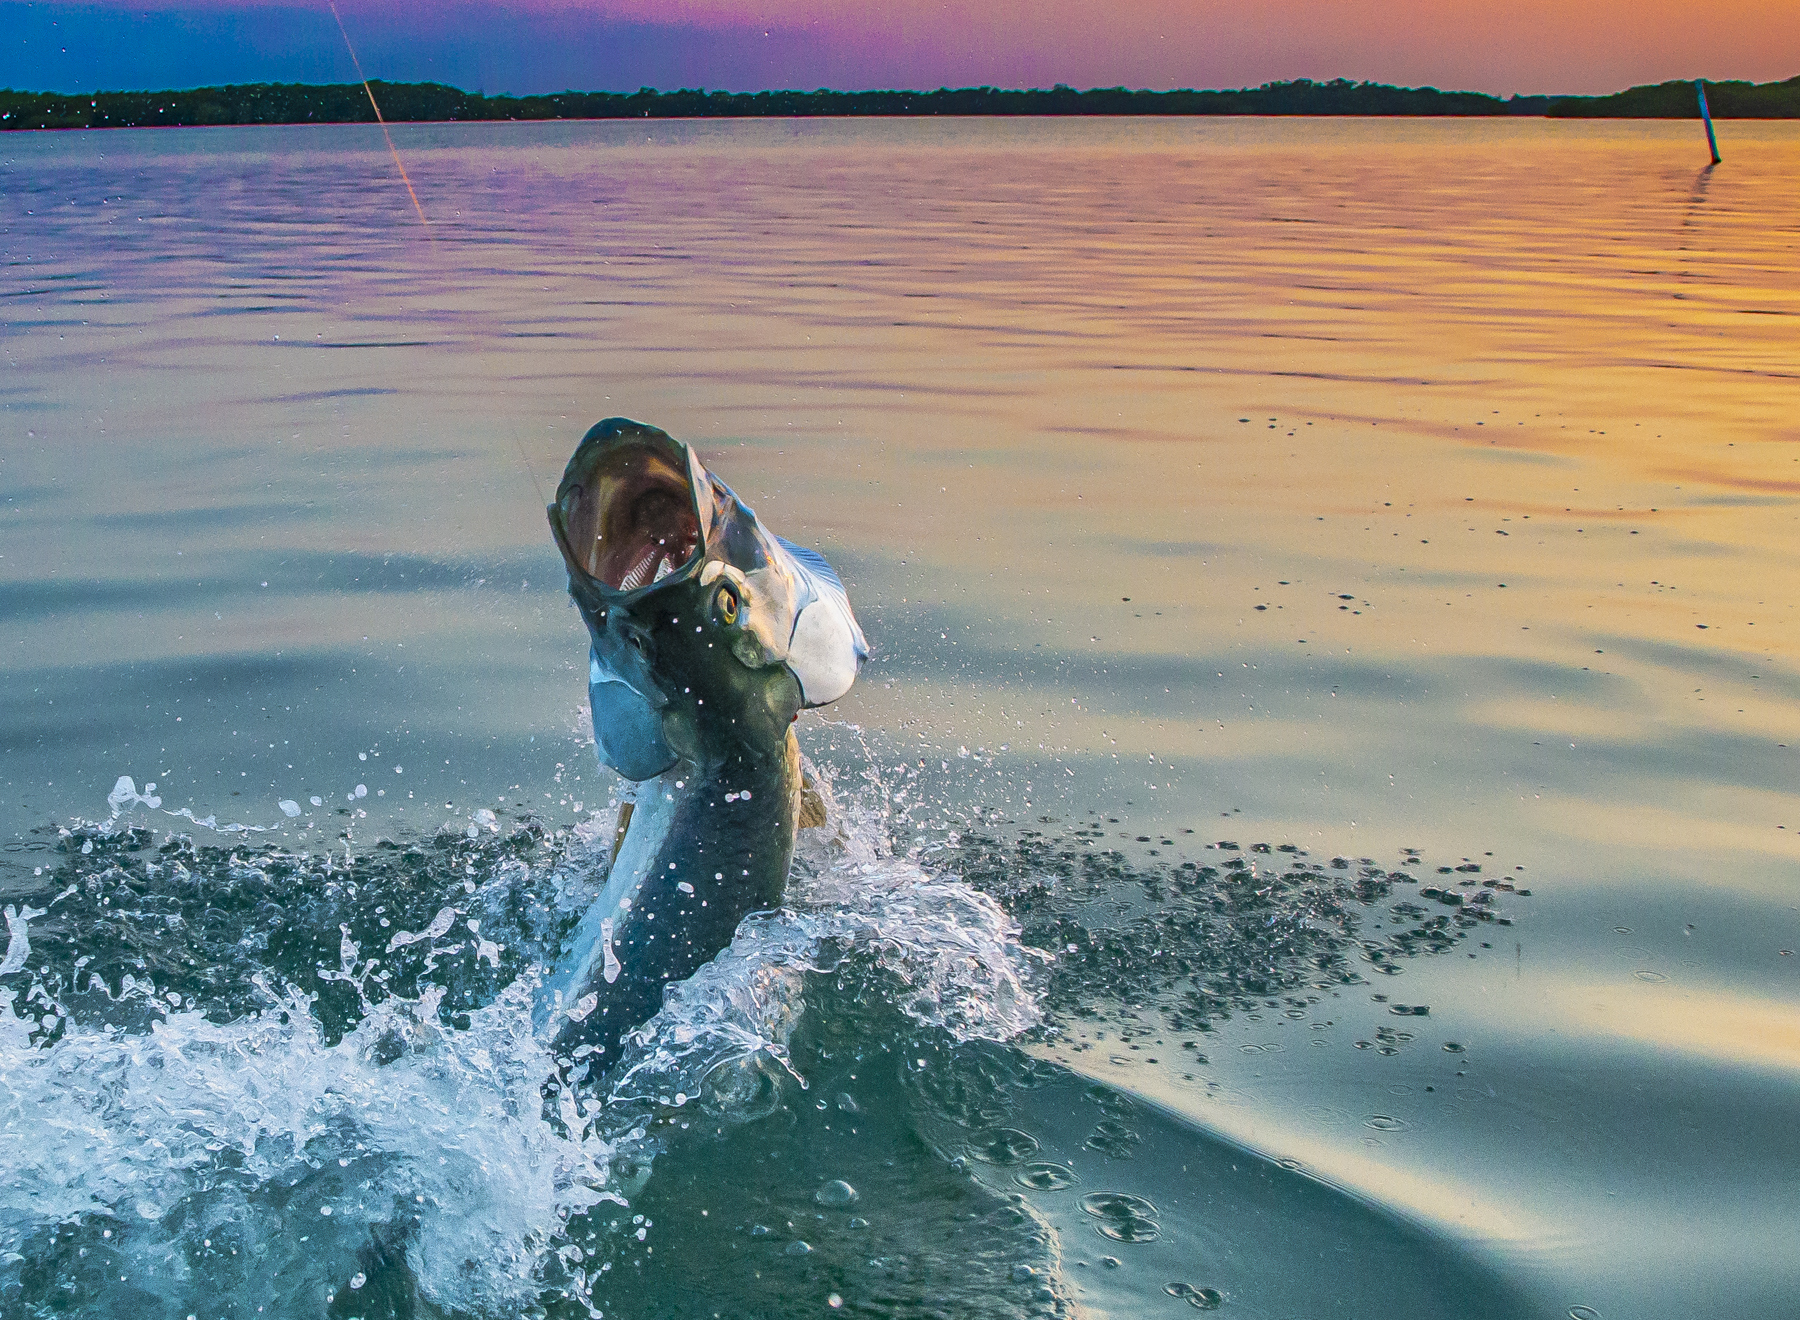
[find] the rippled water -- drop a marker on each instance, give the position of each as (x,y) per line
(1318,835)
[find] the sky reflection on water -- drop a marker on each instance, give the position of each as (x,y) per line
(1371,485)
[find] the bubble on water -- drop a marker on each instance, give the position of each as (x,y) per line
(289,807)
(1583,1313)
(798,1248)
(357,1280)
(1003,1146)
(1046,1177)
(836,1193)
(316,800)
(361,790)
(1385,1123)
(1113,1139)
(1122,1217)
(1204,1299)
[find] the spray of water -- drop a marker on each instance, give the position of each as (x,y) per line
(160,1150)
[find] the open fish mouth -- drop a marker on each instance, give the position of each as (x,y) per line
(638,517)
(631,510)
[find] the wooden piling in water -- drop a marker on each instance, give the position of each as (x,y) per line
(1706,118)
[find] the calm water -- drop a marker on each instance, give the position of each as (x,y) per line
(1318,836)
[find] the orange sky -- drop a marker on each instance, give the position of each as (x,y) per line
(1504,46)
(1511,45)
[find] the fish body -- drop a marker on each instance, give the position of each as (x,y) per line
(708,636)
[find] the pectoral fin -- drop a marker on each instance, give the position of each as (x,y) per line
(812,804)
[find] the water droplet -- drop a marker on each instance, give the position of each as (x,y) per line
(1045,1177)
(1003,1146)
(1113,1139)
(836,1193)
(1204,1299)
(1122,1218)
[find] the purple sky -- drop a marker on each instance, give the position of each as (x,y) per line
(550,45)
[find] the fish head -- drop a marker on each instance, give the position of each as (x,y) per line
(708,632)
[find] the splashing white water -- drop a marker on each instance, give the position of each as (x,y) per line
(256,1131)
(125,795)
(951,951)
(429,1140)
(18,942)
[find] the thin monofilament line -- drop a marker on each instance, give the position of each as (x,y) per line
(392,150)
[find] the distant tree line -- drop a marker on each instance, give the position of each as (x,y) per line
(1676,100)
(297,103)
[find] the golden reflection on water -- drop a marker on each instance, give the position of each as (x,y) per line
(1424,451)
(1399,482)
(1512,404)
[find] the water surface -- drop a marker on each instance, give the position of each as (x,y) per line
(1419,496)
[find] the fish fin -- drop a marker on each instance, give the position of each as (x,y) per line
(812,804)
(813,560)
(625,810)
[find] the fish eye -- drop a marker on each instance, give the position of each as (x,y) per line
(728,605)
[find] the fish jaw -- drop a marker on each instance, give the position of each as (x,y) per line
(650,537)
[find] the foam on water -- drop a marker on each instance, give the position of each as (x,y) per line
(212,1150)
(178,1163)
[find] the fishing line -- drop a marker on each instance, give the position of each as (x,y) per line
(404,178)
(529,470)
(392,151)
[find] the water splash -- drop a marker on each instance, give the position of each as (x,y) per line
(18,943)
(242,1070)
(216,1159)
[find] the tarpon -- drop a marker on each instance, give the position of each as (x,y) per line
(708,637)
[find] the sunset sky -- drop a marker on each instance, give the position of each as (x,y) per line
(1503,46)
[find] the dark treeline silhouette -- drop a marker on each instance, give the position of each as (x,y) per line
(1676,100)
(296,103)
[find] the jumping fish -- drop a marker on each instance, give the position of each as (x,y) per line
(708,637)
